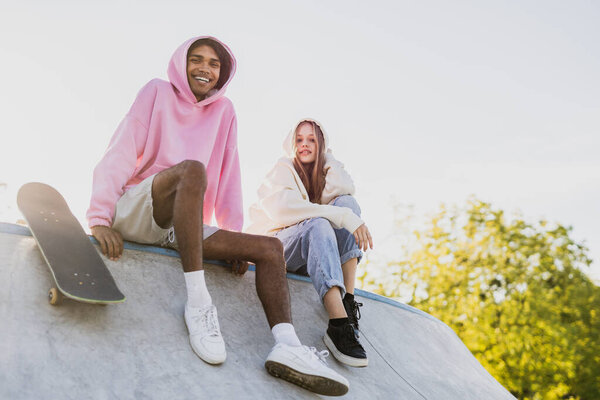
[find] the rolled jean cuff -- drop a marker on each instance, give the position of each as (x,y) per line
(354,253)
(328,285)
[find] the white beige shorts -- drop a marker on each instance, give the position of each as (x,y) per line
(134,218)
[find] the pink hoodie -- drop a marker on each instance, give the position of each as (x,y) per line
(165,126)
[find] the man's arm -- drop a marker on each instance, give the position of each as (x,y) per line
(115,168)
(110,176)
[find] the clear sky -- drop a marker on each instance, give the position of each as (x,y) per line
(425,102)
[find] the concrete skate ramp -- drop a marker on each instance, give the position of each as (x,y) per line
(140,349)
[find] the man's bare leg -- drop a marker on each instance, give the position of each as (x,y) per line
(177,199)
(178,195)
(267,254)
(293,362)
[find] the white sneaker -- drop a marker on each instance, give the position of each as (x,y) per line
(205,334)
(307,368)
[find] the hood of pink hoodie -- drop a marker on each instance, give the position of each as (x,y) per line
(177,72)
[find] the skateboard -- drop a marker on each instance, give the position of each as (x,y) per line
(77,268)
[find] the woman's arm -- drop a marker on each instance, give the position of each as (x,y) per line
(285,203)
(338,181)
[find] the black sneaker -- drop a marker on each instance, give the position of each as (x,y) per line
(353,310)
(342,342)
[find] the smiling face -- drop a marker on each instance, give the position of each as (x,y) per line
(203,69)
(306,143)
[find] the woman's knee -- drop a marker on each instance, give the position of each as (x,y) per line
(320,228)
(347,201)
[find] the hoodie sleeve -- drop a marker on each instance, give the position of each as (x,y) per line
(284,203)
(119,161)
(229,211)
(338,181)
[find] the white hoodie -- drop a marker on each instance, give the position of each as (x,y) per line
(283,200)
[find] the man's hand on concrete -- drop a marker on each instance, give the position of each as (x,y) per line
(110,241)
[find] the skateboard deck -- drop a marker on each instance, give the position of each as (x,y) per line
(76,266)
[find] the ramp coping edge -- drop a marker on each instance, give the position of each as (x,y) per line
(16,229)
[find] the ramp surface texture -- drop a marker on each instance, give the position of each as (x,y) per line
(140,349)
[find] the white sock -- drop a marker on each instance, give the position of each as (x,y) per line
(197,291)
(285,333)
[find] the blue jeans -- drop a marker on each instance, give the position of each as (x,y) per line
(313,246)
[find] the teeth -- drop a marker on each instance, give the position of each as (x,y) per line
(201,78)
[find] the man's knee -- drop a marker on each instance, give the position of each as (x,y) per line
(192,174)
(271,250)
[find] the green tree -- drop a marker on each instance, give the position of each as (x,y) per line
(514,292)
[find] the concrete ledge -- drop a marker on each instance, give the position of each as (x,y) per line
(140,349)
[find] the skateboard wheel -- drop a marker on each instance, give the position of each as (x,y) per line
(54,296)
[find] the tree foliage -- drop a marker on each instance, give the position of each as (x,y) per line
(514,292)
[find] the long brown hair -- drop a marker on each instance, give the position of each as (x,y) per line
(312,174)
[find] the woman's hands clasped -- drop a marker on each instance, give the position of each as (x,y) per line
(363,237)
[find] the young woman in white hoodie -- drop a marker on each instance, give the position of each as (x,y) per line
(306,202)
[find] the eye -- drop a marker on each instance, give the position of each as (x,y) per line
(214,65)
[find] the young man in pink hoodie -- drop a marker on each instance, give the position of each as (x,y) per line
(170,165)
